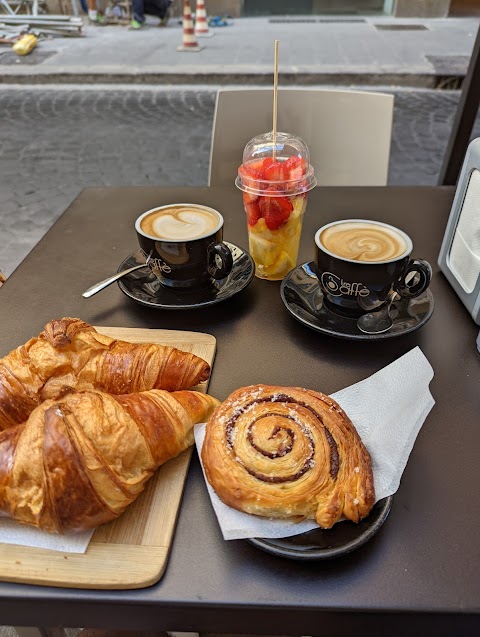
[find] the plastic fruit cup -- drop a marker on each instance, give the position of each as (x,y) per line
(275,191)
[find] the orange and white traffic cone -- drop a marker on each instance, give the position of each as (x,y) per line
(189,42)
(201,25)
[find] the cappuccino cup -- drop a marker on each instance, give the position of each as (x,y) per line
(183,245)
(361,263)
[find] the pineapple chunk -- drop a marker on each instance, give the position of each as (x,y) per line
(262,250)
(282,265)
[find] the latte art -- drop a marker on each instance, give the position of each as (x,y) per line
(364,242)
(179,223)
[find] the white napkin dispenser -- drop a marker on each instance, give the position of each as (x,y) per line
(459,257)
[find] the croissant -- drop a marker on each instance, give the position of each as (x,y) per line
(288,452)
(70,355)
(80,461)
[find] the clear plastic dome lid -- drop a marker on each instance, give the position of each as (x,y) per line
(270,169)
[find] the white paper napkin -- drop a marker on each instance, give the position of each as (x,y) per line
(387,409)
(12,532)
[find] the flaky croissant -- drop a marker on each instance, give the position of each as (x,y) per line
(288,452)
(80,461)
(70,355)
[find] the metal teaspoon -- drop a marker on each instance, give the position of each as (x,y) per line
(106,282)
(377,322)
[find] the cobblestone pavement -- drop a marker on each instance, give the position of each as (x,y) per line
(54,142)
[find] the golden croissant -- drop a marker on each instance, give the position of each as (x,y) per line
(288,452)
(80,461)
(70,355)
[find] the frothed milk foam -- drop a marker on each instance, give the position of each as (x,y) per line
(366,242)
(179,223)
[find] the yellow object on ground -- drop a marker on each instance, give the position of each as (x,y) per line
(25,45)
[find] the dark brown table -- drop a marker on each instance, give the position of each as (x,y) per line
(420,573)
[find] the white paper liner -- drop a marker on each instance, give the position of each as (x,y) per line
(387,409)
(12,532)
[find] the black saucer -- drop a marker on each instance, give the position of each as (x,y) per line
(323,544)
(303,298)
(143,287)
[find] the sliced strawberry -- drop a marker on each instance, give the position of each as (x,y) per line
(249,198)
(276,172)
(250,176)
(246,170)
(275,210)
(277,214)
(268,161)
(256,165)
(303,186)
(295,167)
(253,212)
(298,187)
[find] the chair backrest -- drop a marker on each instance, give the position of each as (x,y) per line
(348,132)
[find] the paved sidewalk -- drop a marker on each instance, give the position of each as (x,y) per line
(320,50)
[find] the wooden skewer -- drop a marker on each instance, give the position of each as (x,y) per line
(275,96)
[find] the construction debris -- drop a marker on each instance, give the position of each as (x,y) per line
(59,24)
(65,25)
(25,44)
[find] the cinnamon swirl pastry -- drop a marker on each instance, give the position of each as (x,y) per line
(288,452)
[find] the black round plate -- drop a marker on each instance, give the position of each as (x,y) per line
(143,287)
(324,544)
(302,296)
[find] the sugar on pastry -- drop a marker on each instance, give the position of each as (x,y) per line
(288,452)
(79,461)
(70,355)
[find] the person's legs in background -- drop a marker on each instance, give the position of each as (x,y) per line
(159,8)
(92,10)
(166,13)
(95,10)
(138,14)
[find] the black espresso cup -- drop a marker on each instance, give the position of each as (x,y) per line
(183,245)
(361,263)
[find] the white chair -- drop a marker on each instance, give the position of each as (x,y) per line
(348,132)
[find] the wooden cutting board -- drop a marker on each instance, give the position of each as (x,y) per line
(132,551)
